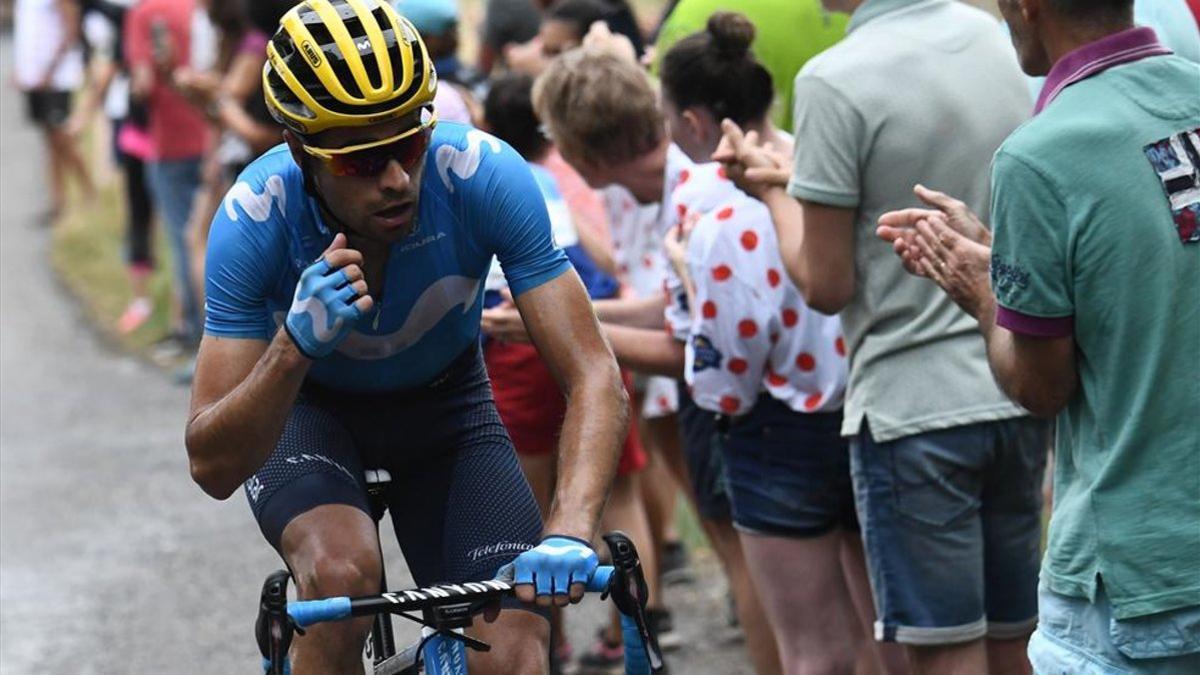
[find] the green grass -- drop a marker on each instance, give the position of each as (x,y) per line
(88,252)
(689,528)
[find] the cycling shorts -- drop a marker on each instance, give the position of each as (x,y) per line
(460,505)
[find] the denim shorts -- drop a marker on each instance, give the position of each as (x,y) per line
(702,453)
(1078,637)
(788,472)
(951,524)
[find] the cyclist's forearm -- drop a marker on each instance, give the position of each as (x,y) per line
(229,439)
(595,425)
(637,312)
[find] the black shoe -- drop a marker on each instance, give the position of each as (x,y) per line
(604,658)
(664,628)
(675,566)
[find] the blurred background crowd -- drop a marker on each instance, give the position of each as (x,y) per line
(149,110)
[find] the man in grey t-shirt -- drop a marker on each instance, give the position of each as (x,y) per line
(946,469)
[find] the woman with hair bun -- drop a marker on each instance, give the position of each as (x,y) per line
(772,368)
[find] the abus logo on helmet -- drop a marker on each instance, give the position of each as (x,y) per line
(311,53)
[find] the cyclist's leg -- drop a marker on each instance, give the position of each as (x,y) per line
(462,513)
(311,506)
(460,518)
(332,550)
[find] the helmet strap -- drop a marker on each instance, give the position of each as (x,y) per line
(327,214)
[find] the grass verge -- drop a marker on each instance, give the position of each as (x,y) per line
(88,253)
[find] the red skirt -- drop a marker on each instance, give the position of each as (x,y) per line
(532,406)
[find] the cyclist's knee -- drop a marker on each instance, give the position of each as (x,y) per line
(345,573)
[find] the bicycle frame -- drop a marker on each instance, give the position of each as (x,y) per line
(448,609)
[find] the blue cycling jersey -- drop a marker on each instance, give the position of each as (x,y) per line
(477,199)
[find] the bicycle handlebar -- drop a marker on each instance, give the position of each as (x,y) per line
(308,612)
(624,582)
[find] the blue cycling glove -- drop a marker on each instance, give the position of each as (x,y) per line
(323,311)
(556,563)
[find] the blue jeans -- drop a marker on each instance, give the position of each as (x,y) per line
(1078,637)
(174,184)
(951,523)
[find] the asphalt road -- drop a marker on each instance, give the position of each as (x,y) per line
(111,560)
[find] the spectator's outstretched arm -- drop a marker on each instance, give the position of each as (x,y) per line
(644,350)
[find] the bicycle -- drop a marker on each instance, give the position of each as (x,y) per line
(446,611)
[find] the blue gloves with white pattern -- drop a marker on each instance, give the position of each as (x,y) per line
(323,310)
(554,564)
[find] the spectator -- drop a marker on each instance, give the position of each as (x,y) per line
(527,395)
(49,68)
(772,368)
(789,33)
(636,232)
(437,22)
(1097,190)
(505,22)
(605,119)
(109,87)
(158,41)
(946,469)
(1172,20)
(563,27)
(619,18)
(230,93)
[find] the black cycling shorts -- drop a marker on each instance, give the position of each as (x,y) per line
(458,499)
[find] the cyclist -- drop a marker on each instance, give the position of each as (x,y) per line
(311,372)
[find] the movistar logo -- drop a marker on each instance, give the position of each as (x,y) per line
(311,53)
(363,45)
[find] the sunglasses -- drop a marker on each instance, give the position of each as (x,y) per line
(367,160)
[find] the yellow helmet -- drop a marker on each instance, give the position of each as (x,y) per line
(345,63)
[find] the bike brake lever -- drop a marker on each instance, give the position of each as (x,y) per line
(630,592)
(274,628)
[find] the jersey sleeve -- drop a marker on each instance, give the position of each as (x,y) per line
(826,168)
(1030,273)
(246,254)
(735,315)
(508,206)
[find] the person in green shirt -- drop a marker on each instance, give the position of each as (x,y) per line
(1090,313)
(789,33)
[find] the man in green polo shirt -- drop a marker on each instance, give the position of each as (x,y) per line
(1092,312)
(789,33)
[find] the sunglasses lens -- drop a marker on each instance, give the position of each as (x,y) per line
(372,161)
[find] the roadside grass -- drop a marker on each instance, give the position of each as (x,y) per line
(688,526)
(88,253)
